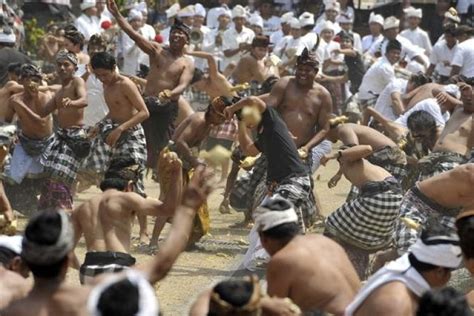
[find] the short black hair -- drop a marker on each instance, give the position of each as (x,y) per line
(393,45)
(283,231)
(308,27)
(443,302)
(103,60)
(421,120)
(465,227)
(419,79)
(449,28)
(197,75)
(420,266)
(14,68)
(45,230)
(118,176)
(119,299)
(6,256)
(76,37)
(113,183)
(235,292)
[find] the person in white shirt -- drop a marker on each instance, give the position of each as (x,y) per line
(389,103)
(378,77)
(237,40)
(88,23)
(215,12)
(463,61)
(132,54)
(290,48)
(346,23)
(332,61)
(414,33)
(271,23)
(102,13)
(199,18)
(284,30)
(443,53)
(171,13)
(376,29)
(330,14)
(213,42)
(310,39)
(255,23)
(346,9)
(186,15)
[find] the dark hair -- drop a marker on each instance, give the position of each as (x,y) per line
(449,28)
(283,231)
(419,79)
(261,41)
(308,27)
(421,120)
(197,75)
(119,173)
(443,302)
(235,292)
(103,60)
(75,37)
(15,68)
(6,255)
(143,71)
(393,45)
(45,230)
(343,35)
(119,299)
(465,228)
(113,183)
(420,266)
(464,30)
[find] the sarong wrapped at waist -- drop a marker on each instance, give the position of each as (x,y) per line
(35,147)
(438,162)
(96,263)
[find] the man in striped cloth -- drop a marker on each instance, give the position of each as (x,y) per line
(365,224)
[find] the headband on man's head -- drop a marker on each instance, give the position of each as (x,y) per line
(308,58)
(98,40)
(67,55)
(180,26)
(274,211)
(30,70)
(441,251)
(218,305)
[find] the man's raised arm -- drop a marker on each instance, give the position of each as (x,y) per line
(145,45)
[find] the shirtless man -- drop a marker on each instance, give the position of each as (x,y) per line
(170,74)
(10,88)
(257,65)
(106,220)
(52,295)
(378,204)
(71,144)
(396,289)
(294,271)
(119,133)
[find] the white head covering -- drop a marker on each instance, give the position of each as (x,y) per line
(221,11)
(306,18)
(452,14)
(135,15)
(441,251)
(274,211)
(172,11)
(391,22)
(295,23)
(142,7)
(286,17)
(199,10)
(7,38)
(412,12)
(147,301)
(332,5)
(12,243)
(376,18)
(256,19)
(328,25)
(186,12)
(86,4)
(344,18)
(239,12)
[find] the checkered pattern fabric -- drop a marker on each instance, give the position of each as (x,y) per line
(88,273)
(227,130)
(96,263)
(61,163)
(367,221)
(419,208)
(131,144)
(439,162)
(55,196)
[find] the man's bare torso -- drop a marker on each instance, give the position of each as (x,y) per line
(456,134)
(361,171)
(6,92)
(369,136)
(32,124)
(69,116)
(197,123)
(87,215)
(422,93)
(250,69)
(120,108)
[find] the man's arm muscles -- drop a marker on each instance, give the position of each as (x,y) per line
(397,103)
(356,153)
(323,121)
(135,99)
(184,81)
(246,144)
(81,93)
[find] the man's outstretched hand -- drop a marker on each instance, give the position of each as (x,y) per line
(112,7)
(199,188)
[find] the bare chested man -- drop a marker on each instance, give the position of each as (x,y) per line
(105,220)
(119,134)
(71,144)
(377,203)
(170,73)
(294,271)
(52,295)
(10,88)
(396,289)
(257,65)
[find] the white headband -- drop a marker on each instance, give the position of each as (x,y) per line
(441,251)
(147,301)
(271,213)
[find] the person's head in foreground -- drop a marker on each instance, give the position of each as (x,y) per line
(465,228)
(10,255)
(443,302)
(14,71)
(122,175)
(435,254)
(73,40)
(422,127)
(417,80)
(236,297)
(66,63)
(104,67)
(277,223)
(97,44)
(393,51)
(47,244)
(307,66)
(124,294)
(260,47)
(30,78)
(215,111)
(179,35)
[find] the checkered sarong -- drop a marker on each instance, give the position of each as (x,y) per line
(419,208)
(61,162)
(96,263)
(438,162)
(131,144)
(367,221)
(392,159)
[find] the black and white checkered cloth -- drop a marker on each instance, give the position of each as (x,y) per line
(439,162)
(96,263)
(419,208)
(367,221)
(131,144)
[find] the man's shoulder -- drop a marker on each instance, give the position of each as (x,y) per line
(392,298)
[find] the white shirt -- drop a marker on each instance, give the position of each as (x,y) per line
(289,47)
(319,26)
(310,40)
(429,105)
(132,55)
(369,40)
(87,25)
(329,54)
(165,33)
(209,45)
(384,101)
(442,53)
(276,37)
(379,75)
(463,6)
(418,37)
(148,32)
(231,40)
(201,63)
(212,16)
(464,58)
(408,49)
(96,108)
(271,25)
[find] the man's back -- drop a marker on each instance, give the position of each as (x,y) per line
(318,274)
(87,217)
(10,55)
